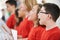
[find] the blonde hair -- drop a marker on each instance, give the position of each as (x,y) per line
(30,4)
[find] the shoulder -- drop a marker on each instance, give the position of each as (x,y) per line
(37,29)
(54,35)
(12,16)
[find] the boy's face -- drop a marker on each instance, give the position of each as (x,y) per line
(42,16)
(9,7)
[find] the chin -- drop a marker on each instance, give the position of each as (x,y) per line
(41,23)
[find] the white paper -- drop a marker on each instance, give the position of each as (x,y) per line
(14,32)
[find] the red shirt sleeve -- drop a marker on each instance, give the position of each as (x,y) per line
(55,36)
(35,33)
(32,34)
(25,28)
(11,21)
(17,29)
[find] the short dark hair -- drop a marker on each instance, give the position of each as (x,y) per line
(40,5)
(11,2)
(52,9)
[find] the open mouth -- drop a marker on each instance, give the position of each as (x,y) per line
(38,19)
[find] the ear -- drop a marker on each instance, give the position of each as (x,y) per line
(49,16)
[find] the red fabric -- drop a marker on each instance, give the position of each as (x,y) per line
(53,34)
(25,27)
(11,21)
(16,28)
(35,33)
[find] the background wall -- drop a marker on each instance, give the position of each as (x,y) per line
(3,5)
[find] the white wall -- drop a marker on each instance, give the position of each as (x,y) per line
(39,1)
(50,1)
(54,1)
(2,6)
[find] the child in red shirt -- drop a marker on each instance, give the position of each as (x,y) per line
(37,30)
(48,16)
(25,25)
(11,6)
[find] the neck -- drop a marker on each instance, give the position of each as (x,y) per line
(25,14)
(35,23)
(23,17)
(50,25)
(13,11)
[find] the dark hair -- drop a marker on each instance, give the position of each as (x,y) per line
(16,12)
(59,11)
(19,18)
(12,2)
(52,9)
(40,5)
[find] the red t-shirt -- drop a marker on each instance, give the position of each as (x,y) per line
(11,21)
(35,33)
(24,28)
(53,34)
